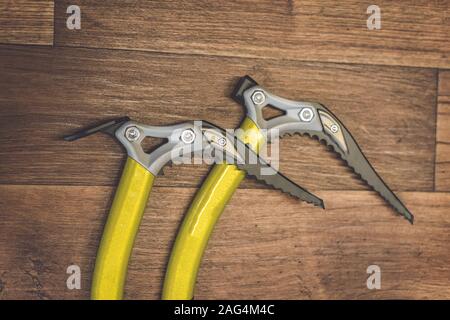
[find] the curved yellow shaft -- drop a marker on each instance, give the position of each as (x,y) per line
(200,220)
(120,231)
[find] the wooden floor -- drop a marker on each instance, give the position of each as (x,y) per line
(162,62)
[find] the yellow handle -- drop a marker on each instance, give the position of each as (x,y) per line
(120,231)
(200,220)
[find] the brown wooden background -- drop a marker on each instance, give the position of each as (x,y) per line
(166,61)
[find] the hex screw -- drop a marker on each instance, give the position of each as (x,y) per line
(222,141)
(306,114)
(334,128)
(258,97)
(132,134)
(188,136)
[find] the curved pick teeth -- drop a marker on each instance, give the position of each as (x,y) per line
(261,169)
(278,181)
(347,148)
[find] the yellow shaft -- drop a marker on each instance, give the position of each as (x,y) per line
(120,231)
(200,220)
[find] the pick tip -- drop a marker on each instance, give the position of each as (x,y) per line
(69,138)
(322,204)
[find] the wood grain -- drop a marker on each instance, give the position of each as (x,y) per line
(26,22)
(297,252)
(443,133)
(46,93)
(180,63)
(413,33)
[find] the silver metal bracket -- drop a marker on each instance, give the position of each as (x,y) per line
(190,138)
(315,120)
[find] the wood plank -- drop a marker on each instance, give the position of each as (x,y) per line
(300,30)
(299,252)
(443,133)
(26,22)
(46,93)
